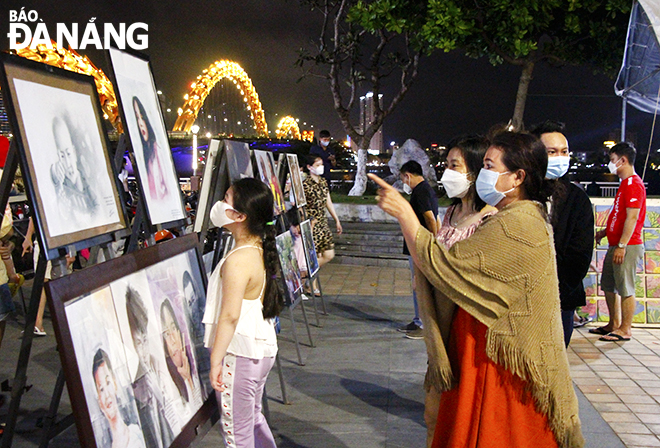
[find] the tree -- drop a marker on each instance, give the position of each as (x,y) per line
(526,32)
(365,46)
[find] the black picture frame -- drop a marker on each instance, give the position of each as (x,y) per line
(58,128)
(93,299)
(133,79)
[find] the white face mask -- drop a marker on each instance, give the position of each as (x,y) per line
(219,216)
(317,170)
(407,189)
(456,184)
(557,166)
(324,142)
(486,190)
(613,167)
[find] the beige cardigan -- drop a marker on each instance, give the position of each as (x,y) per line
(505,276)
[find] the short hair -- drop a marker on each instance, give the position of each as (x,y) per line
(136,312)
(547,127)
(625,149)
(310,160)
(101,357)
(324,134)
(411,167)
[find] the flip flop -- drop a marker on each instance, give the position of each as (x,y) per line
(599,330)
(617,338)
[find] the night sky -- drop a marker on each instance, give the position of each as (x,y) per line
(452,95)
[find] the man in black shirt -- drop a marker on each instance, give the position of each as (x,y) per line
(326,153)
(425,205)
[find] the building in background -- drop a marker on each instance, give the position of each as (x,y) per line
(367,107)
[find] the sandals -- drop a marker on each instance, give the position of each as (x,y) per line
(615,338)
(599,330)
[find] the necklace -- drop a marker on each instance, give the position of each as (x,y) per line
(462,220)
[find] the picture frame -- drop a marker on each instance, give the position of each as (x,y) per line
(126,329)
(268,174)
(71,181)
(142,118)
(296,180)
(239,162)
(208,181)
(310,248)
(291,276)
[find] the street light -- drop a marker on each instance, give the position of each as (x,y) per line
(195,129)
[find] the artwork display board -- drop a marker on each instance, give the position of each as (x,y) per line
(310,249)
(239,163)
(64,150)
(296,180)
(268,175)
(143,122)
(290,269)
(205,200)
(131,344)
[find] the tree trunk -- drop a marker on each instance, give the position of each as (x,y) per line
(521,96)
(360,184)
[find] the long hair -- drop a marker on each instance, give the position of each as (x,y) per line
(473,149)
(255,200)
(523,151)
(149,146)
(180,383)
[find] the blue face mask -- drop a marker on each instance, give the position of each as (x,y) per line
(486,190)
(557,167)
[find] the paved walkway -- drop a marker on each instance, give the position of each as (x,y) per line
(361,385)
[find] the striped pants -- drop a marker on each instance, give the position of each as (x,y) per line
(243,425)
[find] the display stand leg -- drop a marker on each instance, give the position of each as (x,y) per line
(18,385)
(318,282)
(309,332)
(51,427)
(310,283)
(295,336)
(281,375)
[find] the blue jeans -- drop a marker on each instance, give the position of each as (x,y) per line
(416,320)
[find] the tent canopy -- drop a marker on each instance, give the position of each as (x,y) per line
(639,78)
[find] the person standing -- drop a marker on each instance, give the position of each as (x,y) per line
(242,301)
(498,359)
(572,219)
(326,153)
(424,203)
(624,236)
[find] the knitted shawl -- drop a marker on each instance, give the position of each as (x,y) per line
(505,276)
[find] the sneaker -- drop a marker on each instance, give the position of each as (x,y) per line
(582,321)
(412,326)
(304,297)
(416,334)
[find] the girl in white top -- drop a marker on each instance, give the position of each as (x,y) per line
(241,300)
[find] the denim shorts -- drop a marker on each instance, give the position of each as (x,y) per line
(6,303)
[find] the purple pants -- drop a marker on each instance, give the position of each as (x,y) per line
(243,425)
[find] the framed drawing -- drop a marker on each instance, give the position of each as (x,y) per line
(144,125)
(310,249)
(204,204)
(296,180)
(238,160)
(58,126)
(268,175)
(290,269)
(132,347)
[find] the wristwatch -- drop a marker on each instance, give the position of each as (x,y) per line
(621,246)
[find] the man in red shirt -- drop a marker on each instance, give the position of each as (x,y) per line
(623,231)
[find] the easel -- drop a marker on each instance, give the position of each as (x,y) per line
(18,386)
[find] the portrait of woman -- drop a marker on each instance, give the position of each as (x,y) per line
(180,362)
(155,176)
(123,435)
